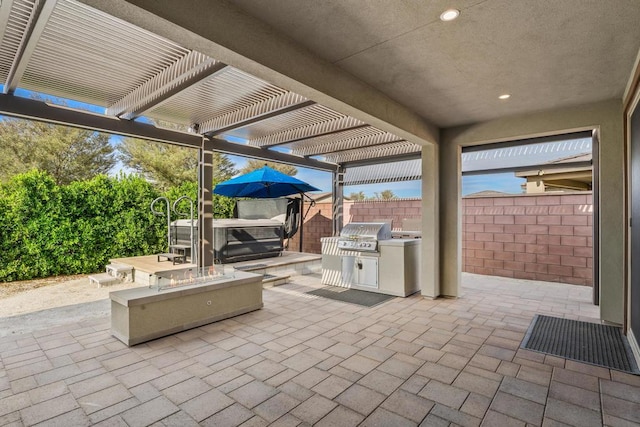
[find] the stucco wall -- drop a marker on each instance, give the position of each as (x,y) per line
(538,237)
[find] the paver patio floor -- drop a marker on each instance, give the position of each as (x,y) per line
(305,360)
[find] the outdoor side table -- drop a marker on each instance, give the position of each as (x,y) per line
(180,249)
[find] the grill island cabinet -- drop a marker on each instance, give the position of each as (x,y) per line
(398,266)
(145,313)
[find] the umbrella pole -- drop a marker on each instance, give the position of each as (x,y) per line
(301,218)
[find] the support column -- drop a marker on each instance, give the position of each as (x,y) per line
(338,200)
(430,273)
(451,217)
(205,204)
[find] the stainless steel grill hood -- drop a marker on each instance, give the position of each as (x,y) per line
(363,236)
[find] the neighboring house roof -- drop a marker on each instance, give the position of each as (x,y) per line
(488,193)
(321,197)
(569,160)
(577,175)
(584,157)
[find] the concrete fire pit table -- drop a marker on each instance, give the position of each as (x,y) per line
(146,313)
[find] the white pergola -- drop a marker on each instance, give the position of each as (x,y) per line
(70,50)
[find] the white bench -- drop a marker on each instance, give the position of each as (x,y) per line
(120,271)
(103,279)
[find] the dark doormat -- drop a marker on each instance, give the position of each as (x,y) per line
(592,343)
(352,296)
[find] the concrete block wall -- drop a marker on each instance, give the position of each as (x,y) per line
(538,237)
(318,224)
(395,209)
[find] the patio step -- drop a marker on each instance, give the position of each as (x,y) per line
(103,279)
(271,280)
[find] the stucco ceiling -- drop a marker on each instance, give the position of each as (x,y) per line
(545,53)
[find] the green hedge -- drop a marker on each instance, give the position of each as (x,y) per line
(222,206)
(48,230)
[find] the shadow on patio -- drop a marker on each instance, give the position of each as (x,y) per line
(305,360)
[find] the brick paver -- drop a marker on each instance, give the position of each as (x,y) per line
(410,361)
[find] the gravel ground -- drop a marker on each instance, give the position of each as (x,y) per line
(33,305)
(8,289)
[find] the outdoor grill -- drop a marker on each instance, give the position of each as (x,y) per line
(363,236)
(360,252)
(365,257)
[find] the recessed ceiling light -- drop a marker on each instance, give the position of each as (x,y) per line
(449,14)
(505,96)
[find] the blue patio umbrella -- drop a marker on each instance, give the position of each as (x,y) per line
(263,183)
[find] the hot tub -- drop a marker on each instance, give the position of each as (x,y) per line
(245,239)
(237,239)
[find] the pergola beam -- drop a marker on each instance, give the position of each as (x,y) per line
(37,23)
(385,159)
(5,13)
(320,135)
(336,147)
(546,167)
(305,132)
(270,155)
(185,72)
(30,109)
(24,108)
(390,150)
(250,116)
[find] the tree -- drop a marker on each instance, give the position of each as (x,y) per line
(170,165)
(67,154)
(384,195)
(253,164)
(357,196)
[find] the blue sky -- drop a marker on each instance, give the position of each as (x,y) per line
(505,182)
